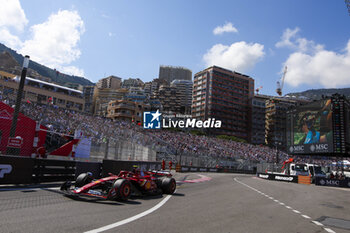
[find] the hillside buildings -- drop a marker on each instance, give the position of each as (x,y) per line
(111,82)
(132,82)
(126,110)
(40,92)
(102,96)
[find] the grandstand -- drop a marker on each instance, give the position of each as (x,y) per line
(128,141)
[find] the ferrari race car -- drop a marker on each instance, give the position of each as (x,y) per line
(120,187)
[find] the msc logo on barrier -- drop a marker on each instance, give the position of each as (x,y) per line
(5,169)
(151,120)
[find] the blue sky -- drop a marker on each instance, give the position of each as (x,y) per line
(133,38)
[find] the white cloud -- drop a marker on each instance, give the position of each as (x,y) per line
(10,40)
(326,68)
(239,56)
(228,27)
(106,16)
(54,42)
(312,65)
(288,34)
(12,14)
(291,39)
(71,70)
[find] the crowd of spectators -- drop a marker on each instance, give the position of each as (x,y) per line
(187,143)
(102,130)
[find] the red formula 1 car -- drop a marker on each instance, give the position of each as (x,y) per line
(120,187)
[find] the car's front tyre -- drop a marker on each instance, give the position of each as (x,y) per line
(121,190)
(168,185)
(83,179)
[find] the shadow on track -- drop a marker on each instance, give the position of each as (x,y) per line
(99,201)
(178,194)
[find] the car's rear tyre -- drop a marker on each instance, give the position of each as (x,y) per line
(83,179)
(168,185)
(122,189)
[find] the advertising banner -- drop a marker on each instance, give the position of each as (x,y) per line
(16,170)
(278,177)
(345,183)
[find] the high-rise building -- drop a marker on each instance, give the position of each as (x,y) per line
(259,118)
(88,95)
(184,92)
(170,73)
(224,95)
(111,82)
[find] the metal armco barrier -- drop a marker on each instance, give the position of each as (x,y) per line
(231,170)
(345,183)
(24,170)
(16,170)
(94,167)
(49,170)
(278,177)
(115,166)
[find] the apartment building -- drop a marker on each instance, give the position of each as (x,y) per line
(224,95)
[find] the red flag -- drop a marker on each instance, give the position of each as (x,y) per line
(29,102)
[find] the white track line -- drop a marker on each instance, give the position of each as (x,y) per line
(133,218)
(329,230)
(288,207)
(317,223)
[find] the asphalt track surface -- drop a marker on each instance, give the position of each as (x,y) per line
(226,203)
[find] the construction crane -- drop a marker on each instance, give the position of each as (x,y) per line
(280,84)
(258,89)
